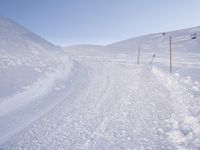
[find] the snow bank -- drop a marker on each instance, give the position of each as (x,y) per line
(32,92)
(184,125)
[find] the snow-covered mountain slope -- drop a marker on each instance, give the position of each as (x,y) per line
(83,49)
(88,50)
(183,41)
(30,68)
(24,56)
(185,50)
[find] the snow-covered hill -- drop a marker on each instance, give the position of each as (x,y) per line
(30,67)
(24,57)
(182,40)
(185,50)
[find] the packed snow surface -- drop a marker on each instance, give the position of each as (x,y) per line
(92,97)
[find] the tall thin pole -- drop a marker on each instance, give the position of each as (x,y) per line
(170,53)
(138,59)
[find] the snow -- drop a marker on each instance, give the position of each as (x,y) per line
(37,89)
(97,97)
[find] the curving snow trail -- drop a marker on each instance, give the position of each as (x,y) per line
(111,104)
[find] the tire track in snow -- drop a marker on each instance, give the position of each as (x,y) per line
(120,99)
(76,86)
(73,116)
(138,120)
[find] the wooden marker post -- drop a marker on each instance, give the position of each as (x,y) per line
(170,53)
(138,59)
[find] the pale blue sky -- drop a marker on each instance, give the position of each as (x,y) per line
(66,22)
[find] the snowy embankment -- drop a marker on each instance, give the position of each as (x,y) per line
(22,108)
(36,90)
(184,124)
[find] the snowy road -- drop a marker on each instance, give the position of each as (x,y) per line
(110,104)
